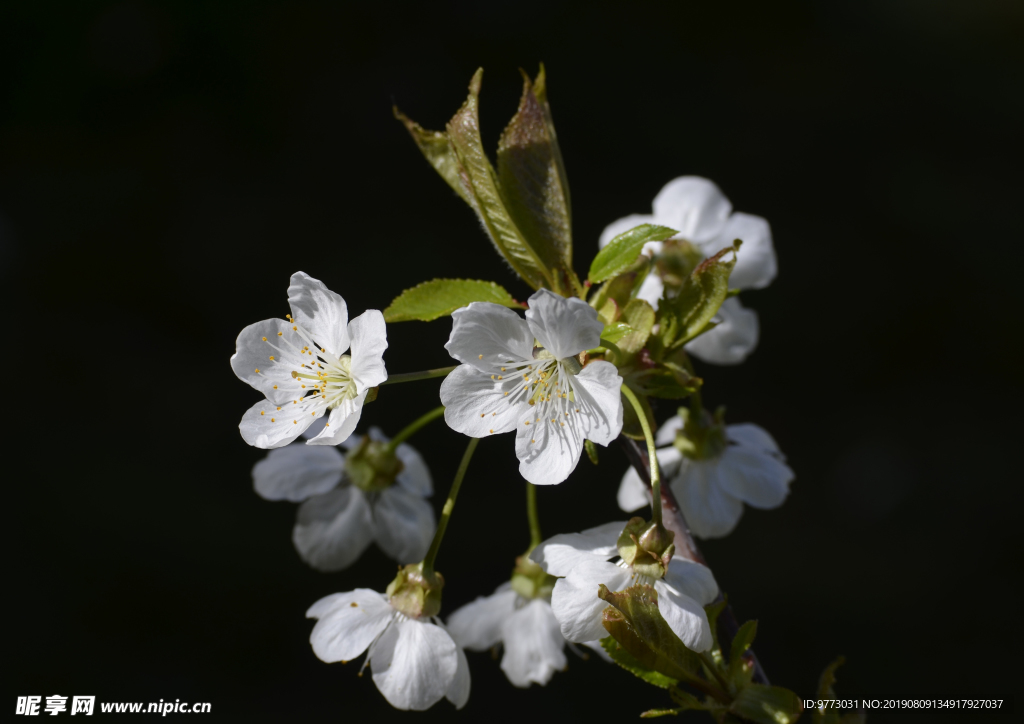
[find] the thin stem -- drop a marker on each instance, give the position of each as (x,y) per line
(531,513)
(651,454)
(413,427)
(446,512)
(710,666)
(413,376)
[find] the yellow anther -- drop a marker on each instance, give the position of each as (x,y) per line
(502,369)
(327,425)
(479,356)
(279,408)
(492,432)
(533,441)
(275,387)
(500,377)
(264,339)
(527,422)
(303,386)
(271,358)
(482,414)
(562,424)
(492,377)
(506,394)
(314,415)
(272,420)
(257,370)
(295,422)
(295,328)
(261,412)
(280,333)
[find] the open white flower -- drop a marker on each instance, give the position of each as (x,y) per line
(704,217)
(415,662)
(301,365)
(584,559)
(533,642)
(749,468)
(524,375)
(348,502)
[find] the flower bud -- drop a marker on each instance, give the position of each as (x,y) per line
(372,466)
(415,592)
(647,547)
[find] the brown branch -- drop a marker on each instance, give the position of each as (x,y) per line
(686,546)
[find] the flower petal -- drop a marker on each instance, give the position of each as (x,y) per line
(547,451)
(693,205)
(369,340)
(349,623)
(709,510)
(689,578)
(564,327)
(666,434)
(477,625)
(414,663)
(403,524)
(621,226)
(651,289)
(316,428)
(560,555)
(756,265)
(487,336)
(332,530)
(601,400)
(342,424)
(757,478)
(252,364)
(267,427)
(633,494)
(476,405)
(296,472)
(458,692)
(415,475)
(686,617)
(749,435)
(322,313)
(732,340)
(533,645)
(575,602)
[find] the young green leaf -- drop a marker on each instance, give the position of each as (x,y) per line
(639,315)
(690,312)
(632,664)
(435,147)
(440,297)
(828,715)
(740,643)
(767,705)
(623,250)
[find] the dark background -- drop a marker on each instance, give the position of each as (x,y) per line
(167,166)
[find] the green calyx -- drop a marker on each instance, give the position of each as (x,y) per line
(372,466)
(702,436)
(529,580)
(415,592)
(646,547)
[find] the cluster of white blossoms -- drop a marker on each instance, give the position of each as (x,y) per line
(704,217)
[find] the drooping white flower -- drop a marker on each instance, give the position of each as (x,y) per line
(346,505)
(749,468)
(524,375)
(533,642)
(585,561)
(415,662)
(704,217)
(304,367)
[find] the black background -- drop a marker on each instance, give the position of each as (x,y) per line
(167,166)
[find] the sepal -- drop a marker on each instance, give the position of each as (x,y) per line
(416,592)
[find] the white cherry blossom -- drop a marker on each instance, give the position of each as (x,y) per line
(304,367)
(524,375)
(711,492)
(415,662)
(527,628)
(704,217)
(585,561)
(338,519)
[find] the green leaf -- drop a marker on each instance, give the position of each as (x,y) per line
(767,705)
(740,643)
(435,147)
(630,663)
(634,620)
(533,187)
(622,251)
(666,381)
(826,683)
(639,315)
(540,89)
(591,451)
(440,297)
(686,702)
(616,330)
(690,312)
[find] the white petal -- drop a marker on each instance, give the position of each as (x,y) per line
(565,327)
(651,289)
(320,312)
(415,475)
(666,434)
(709,510)
(533,645)
(476,405)
(316,428)
(749,435)
(547,451)
(403,524)
(598,388)
(273,379)
(694,206)
(633,494)
(349,623)
(560,555)
(686,617)
(414,663)
(296,472)
(369,340)
(688,578)
(342,423)
(458,691)
(598,649)
(622,226)
(757,478)
(576,603)
(477,625)
(756,265)
(332,530)
(266,427)
(732,340)
(491,330)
